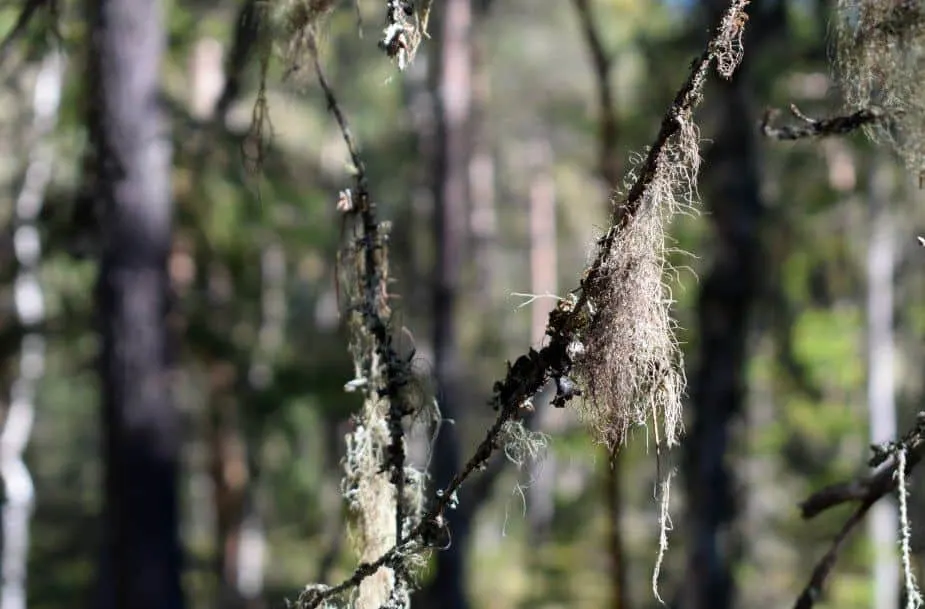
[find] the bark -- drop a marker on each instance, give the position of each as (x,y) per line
(609,164)
(243,47)
(142,558)
(619,594)
(610,169)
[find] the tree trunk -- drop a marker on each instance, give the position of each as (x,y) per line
(543,281)
(29,301)
(727,298)
(483,221)
(610,170)
(883,523)
(454,74)
(142,558)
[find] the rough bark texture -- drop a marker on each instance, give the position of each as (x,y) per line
(141,432)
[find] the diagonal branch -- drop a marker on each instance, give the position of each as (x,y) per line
(813,590)
(246,39)
(533,370)
(882,481)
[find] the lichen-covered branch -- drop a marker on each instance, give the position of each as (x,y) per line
(405,29)
(877,483)
(672,159)
(383,494)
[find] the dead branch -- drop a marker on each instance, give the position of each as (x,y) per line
(882,481)
(879,482)
(386,372)
(837,125)
(813,590)
(530,372)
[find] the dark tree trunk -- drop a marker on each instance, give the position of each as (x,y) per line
(454,74)
(483,214)
(727,298)
(718,391)
(141,433)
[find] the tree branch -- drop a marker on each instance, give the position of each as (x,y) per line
(813,590)
(838,125)
(876,484)
(530,372)
(867,490)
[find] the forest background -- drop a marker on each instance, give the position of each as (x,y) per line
(801,252)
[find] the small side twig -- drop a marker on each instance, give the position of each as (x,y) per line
(837,125)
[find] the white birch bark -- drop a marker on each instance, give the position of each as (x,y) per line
(883,523)
(30,309)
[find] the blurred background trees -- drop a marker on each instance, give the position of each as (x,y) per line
(494,158)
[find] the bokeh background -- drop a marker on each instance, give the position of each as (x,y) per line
(797,282)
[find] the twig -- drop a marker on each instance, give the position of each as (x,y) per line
(838,125)
(315,597)
(913,595)
(687,98)
(882,481)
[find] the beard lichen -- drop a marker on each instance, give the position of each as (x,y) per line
(879,62)
(629,359)
(384,494)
